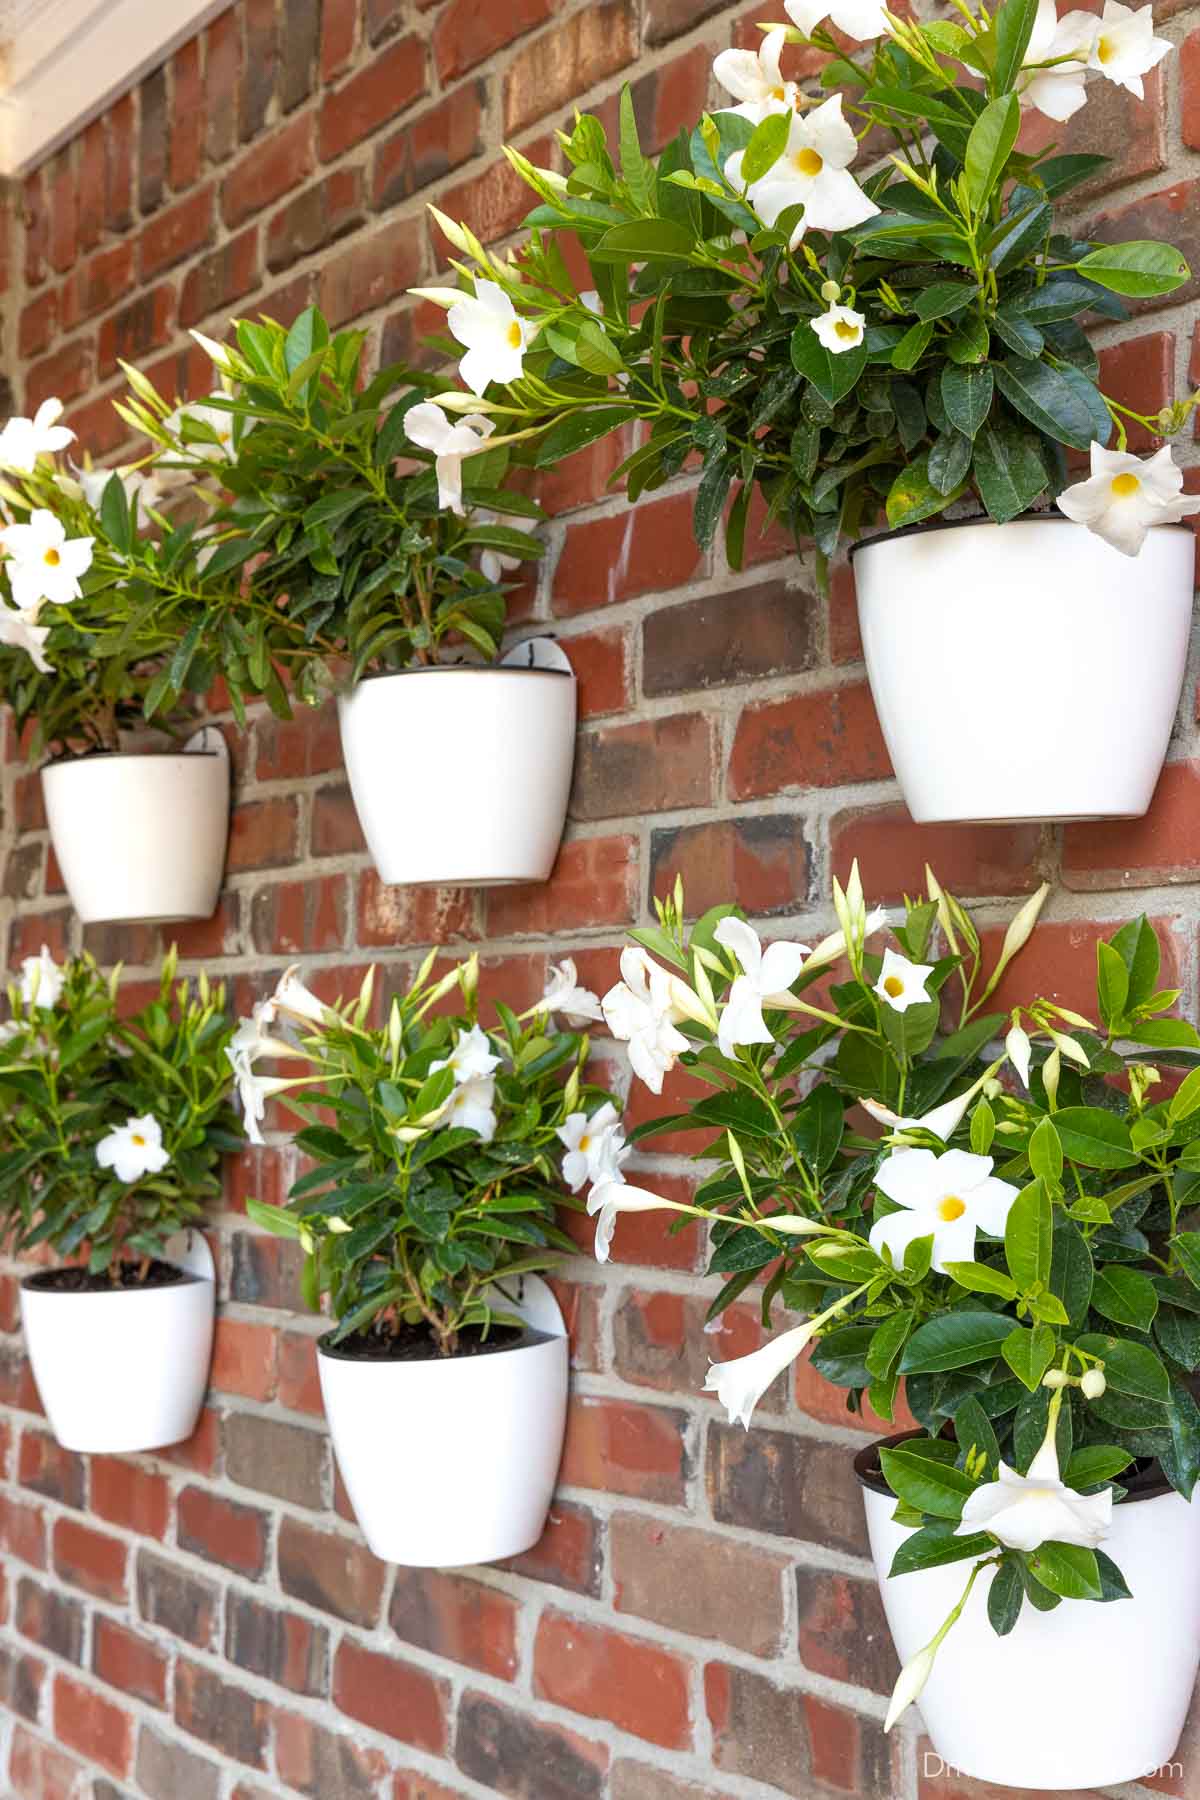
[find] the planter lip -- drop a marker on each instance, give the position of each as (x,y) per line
(97,756)
(1150,1484)
(29,1284)
(530,1339)
(931,525)
(454,669)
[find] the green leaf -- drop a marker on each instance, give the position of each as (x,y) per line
(1094,1464)
(1013,27)
(942,299)
(966,396)
(989,146)
(1048,399)
(578,430)
(1112,983)
(1095,1138)
(971,341)
(1045,1152)
(1005,1598)
(1008,469)
(644,240)
(913,496)
(1129,1368)
(114,515)
(1028,1236)
(637,174)
(276,1219)
(766,146)
(973,1431)
(887,1342)
(981,1279)
(1186,1245)
(1029,1353)
(1125,1296)
(954,1341)
(936,1545)
(948,461)
(931,1486)
(1139,268)
(913,345)
(1066,1569)
(832,373)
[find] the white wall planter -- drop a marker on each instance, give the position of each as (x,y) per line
(1028,670)
(1083,1697)
(124,1370)
(461,776)
(142,836)
(453,1463)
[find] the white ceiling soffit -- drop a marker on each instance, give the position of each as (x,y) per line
(63,61)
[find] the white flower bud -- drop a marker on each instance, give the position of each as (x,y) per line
(1055,1378)
(1093,1384)
(830,290)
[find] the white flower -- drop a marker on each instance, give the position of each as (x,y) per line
(595,1147)
(44,564)
(493,333)
(1056,91)
(590,299)
(1124,496)
(17,630)
(643,1011)
(830,948)
(901,983)
(254,1091)
(741,1383)
(1019,1050)
(253,1040)
(1123,46)
(292,998)
(813,172)
(859,19)
(428,426)
(471,1104)
(133,1149)
(1026,1511)
(840,329)
(948,1197)
(613,1195)
(943,1121)
(139,485)
(909,1683)
(23,440)
(496,563)
(766,973)
(754,79)
(218,421)
(564,995)
(1092,1384)
(41,980)
(471,1058)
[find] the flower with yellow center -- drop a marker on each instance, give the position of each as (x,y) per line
(1124,496)
(450,443)
(948,1197)
(859,19)
(133,1149)
(901,983)
(840,329)
(1054,71)
(813,171)
(1023,1512)
(755,79)
(493,334)
(1124,47)
(595,1147)
(23,440)
(44,565)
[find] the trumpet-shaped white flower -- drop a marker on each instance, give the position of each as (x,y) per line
(910,1683)
(741,1383)
(611,1196)
(1019,1050)
(595,1147)
(564,995)
(943,1121)
(813,172)
(254,1091)
(1124,496)
(20,633)
(754,79)
(948,1197)
(295,1001)
(495,564)
(859,19)
(765,973)
(644,1009)
(901,983)
(830,948)
(428,426)
(41,980)
(471,1059)
(1057,90)
(1026,1511)
(139,485)
(1123,46)
(44,564)
(215,418)
(23,440)
(133,1149)
(472,1105)
(840,329)
(493,333)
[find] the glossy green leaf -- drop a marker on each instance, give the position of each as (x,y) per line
(1140,268)
(955,1341)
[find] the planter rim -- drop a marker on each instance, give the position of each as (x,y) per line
(456,669)
(1151,1484)
(186,1279)
(929,525)
(530,1339)
(95,756)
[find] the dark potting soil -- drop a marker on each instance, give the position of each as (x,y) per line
(416,1343)
(76,1280)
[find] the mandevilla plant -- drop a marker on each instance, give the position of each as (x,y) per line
(111,1129)
(440,1152)
(852,346)
(1019,1255)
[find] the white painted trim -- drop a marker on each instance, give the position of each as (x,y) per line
(71,58)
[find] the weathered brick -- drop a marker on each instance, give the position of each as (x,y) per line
(222,66)
(127,1495)
(568,1553)
(825,739)
(371,271)
(221,1714)
(260,67)
(789,1486)
(593,882)
(394,1697)
(384,87)
(607,1675)
(90,1559)
(323,1763)
(650,766)
(244,1359)
(21,1680)
(220,278)
(129,1660)
(454,1617)
(430,146)
(522,1758)
(267,171)
(93,1726)
(39,1771)
(667,19)
(719,639)
(180,231)
(301,47)
(187,115)
(177,1601)
(48,1469)
(223,1531)
(643,549)
(622,1447)
(738,1598)
(567,60)
(53,1620)
(1135,853)
(792,1741)
(320,215)
(893,853)
(276,1457)
(843,1631)
(282,1647)
(765,864)
(153,113)
(166,1770)
(331,1572)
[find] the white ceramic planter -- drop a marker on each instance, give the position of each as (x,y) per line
(125,1370)
(461,776)
(1083,1697)
(1028,670)
(142,837)
(453,1463)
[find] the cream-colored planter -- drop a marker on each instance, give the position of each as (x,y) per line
(1083,1697)
(461,776)
(453,1463)
(1028,670)
(142,836)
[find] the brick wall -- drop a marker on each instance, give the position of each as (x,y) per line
(700,1622)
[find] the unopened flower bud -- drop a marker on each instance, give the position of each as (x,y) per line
(831,290)
(1055,1378)
(1093,1384)
(992,1088)
(339,1227)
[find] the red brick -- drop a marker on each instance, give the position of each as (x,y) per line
(65,375)
(843,1633)
(90,1560)
(892,854)
(223,276)
(338,18)
(824,739)
(335,828)
(648,766)
(639,550)
(454,1617)
(636,1685)
(330,1571)
(621,1447)
(845,644)
(309,744)
(601,661)
(48,1469)
(495,201)
(222,1714)
(392,915)
(762,863)
(118,164)
(201,1452)
(129,1660)
(22,1531)
(466,34)
(371,272)
(390,1696)
(430,146)
(323,1763)
(263,834)
(223,1531)
(89,185)
(568,1554)
(267,171)
(37,324)
(244,1359)
(61,200)
(297,918)
(567,60)
(222,68)
(1189,75)
(1059,963)
(85,1721)
(320,215)
(1140,373)
(299,1381)
(389,82)
(180,231)
(1135,853)
(129,335)
(187,116)
(739,1600)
